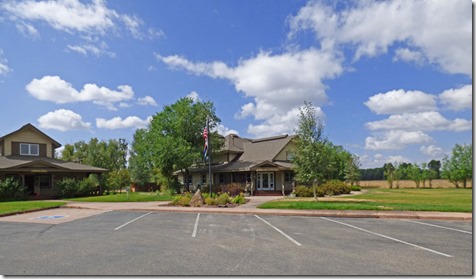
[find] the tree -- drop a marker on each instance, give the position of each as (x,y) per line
(398,173)
(352,173)
(311,154)
(389,170)
(174,137)
(415,174)
(111,155)
(433,171)
(458,167)
(140,165)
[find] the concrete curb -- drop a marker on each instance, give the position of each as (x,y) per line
(423,215)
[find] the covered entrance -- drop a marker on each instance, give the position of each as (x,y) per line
(265,181)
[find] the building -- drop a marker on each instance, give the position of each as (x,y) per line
(28,155)
(262,165)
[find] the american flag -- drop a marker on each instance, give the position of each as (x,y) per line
(205,136)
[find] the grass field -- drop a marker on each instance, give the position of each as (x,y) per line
(21,206)
(444,200)
(437,183)
(122,197)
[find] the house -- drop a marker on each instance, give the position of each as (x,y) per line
(28,155)
(262,165)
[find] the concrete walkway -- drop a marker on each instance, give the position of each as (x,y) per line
(251,208)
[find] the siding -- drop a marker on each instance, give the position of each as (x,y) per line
(27,137)
(282,154)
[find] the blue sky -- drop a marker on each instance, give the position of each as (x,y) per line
(391,80)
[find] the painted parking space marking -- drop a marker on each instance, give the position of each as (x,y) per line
(280,231)
(437,226)
(127,223)
(195,227)
(388,237)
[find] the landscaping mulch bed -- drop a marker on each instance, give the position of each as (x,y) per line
(229,205)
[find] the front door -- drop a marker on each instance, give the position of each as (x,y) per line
(30,184)
(265,180)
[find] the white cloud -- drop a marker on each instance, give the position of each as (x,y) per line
(432,150)
(54,89)
(278,83)
(63,120)
(280,123)
(88,48)
(119,123)
(458,99)
(400,101)
(440,31)
(70,16)
(396,139)
(194,96)
(224,131)
(423,121)
(378,160)
(408,55)
(88,20)
(4,69)
(147,101)
(28,30)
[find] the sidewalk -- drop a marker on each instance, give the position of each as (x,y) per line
(250,208)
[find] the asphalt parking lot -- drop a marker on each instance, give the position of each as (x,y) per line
(168,243)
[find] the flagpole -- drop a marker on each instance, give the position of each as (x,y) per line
(209,156)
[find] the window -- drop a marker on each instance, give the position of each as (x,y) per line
(221,178)
(45,181)
(204,179)
(29,149)
(288,176)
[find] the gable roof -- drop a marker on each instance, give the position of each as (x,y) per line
(255,154)
(265,149)
(34,129)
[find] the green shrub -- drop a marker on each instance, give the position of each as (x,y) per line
(182,200)
(209,201)
(71,188)
(223,199)
(239,199)
(11,189)
(67,187)
(303,191)
(207,195)
(335,187)
(355,188)
(86,187)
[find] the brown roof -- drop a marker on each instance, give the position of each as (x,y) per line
(31,127)
(265,149)
(10,163)
(256,153)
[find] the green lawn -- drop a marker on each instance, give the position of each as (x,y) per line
(20,206)
(122,197)
(445,200)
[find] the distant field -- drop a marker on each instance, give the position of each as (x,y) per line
(437,183)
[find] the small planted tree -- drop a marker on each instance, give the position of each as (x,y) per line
(389,172)
(458,167)
(312,152)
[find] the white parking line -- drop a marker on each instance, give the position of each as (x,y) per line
(194,233)
(281,232)
(388,237)
(432,225)
(132,221)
